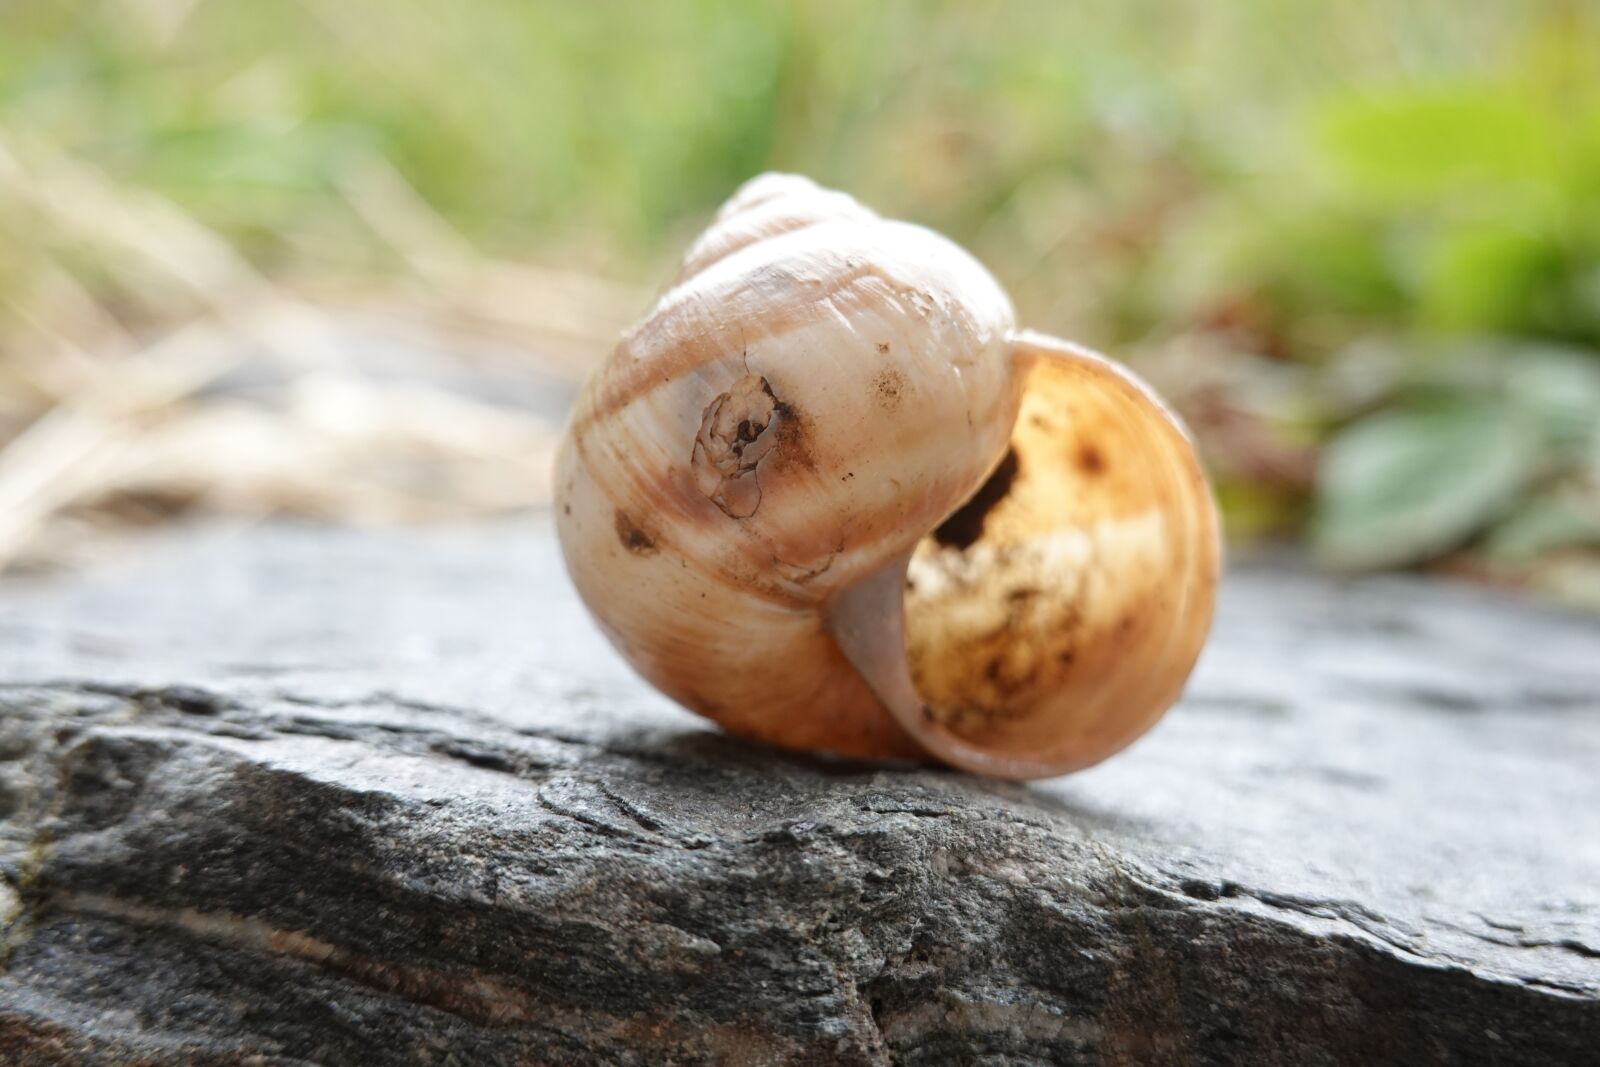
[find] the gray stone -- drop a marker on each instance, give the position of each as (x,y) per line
(289,795)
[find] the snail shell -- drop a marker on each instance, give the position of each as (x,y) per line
(827,495)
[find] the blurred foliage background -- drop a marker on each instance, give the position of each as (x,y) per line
(1357,244)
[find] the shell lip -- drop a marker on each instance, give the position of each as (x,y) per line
(868,623)
(868,620)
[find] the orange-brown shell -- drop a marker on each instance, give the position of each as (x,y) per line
(867,363)
(744,479)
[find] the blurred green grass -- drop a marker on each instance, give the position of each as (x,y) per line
(1358,244)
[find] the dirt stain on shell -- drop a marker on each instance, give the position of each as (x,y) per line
(634,538)
(1010,637)
(1089,460)
(887,387)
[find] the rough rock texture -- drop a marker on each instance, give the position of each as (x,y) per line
(296,796)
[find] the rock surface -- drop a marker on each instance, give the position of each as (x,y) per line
(288,796)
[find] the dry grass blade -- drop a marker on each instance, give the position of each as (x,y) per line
(156,234)
(73,449)
(119,429)
(573,318)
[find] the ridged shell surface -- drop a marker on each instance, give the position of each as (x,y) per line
(818,389)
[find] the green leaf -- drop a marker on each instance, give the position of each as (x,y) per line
(1413,145)
(1564,517)
(1490,278)
(1558,390)
(1402,486)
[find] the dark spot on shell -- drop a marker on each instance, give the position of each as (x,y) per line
(793,449)
(1008,677)
(1090,460)
(566,509)
(883,346)
(963,528)
(888,385)
(633,536)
